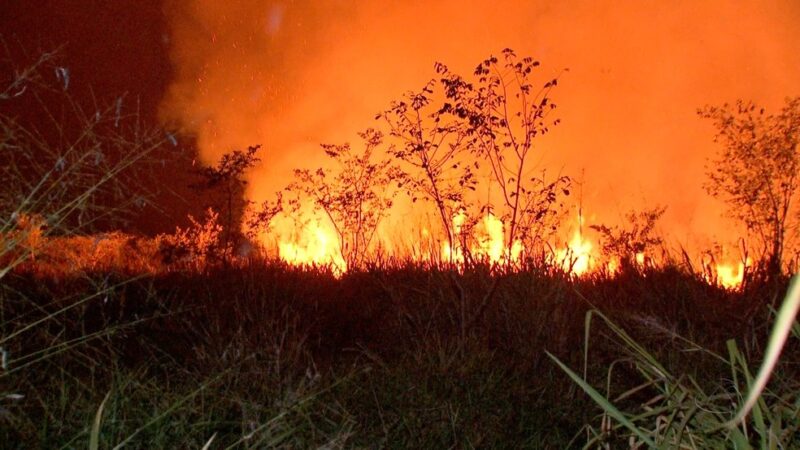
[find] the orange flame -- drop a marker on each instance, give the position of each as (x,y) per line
(730,276)
(577,256)
(315,245)
(490,243)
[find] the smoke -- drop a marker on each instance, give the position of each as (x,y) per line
(293,74)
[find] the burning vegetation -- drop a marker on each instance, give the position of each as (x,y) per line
(448,176)
(416,287)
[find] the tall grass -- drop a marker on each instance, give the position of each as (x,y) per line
(404,355)
(680,411)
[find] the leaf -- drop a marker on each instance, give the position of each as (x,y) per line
(603,402)
(94,435)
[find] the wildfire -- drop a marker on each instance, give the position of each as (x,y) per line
(317,244)
(729,275)
(314,245)
(490,243)
(577,256)
(493,244)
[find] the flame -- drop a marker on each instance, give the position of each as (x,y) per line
(315,245)
(490,243)
(493,244)
(577,256)
(730,276)
(640,259)
(613,266)
(448,253)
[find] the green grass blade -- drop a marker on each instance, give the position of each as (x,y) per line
(94,436)
(603,402)
(780,333)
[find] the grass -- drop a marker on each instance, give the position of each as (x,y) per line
(682,413)
(265,355)
(102,350)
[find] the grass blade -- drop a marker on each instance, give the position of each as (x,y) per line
(780,333)
(94,436)
(603,402)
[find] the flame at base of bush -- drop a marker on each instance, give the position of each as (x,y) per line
(314,245)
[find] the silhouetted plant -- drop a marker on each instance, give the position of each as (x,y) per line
(258,220)
(76,167)
(227,176)
(636,237)
(431,143)
(355,197)
(447,132)
(504,113)
(756,171)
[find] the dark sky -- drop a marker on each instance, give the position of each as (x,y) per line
(113,46)
(112,49)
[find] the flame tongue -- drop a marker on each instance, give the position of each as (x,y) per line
(577,257)
(730,275)
(489,245)
(315,245)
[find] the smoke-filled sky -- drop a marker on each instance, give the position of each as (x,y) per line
(293,74)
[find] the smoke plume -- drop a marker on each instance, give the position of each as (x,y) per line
(293,74)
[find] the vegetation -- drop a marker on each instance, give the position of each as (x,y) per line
(174,341)
(265,354)
(355,198)
(226,179)
(756,171)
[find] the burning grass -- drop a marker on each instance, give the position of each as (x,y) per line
(185,340)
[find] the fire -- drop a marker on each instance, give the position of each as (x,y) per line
(730,276)
(315,245)
(640,259)
(490,243)
(577,256)
(457,254)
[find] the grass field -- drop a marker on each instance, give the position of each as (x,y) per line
(261,354)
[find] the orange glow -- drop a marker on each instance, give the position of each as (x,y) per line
(730,276)
(576,257)
(492,244)
(317,72)
(612,266)
(640,258)
(313,245)
(489,242)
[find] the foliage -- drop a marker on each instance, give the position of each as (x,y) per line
(678,412)
(196,246)
(355,197)
(431,144)
(756,171)
(258,221)
(637,237)
(76,166)
(454,125)
(226,177)
(266,354)
(505,114)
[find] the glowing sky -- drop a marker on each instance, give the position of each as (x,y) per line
(293,74)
